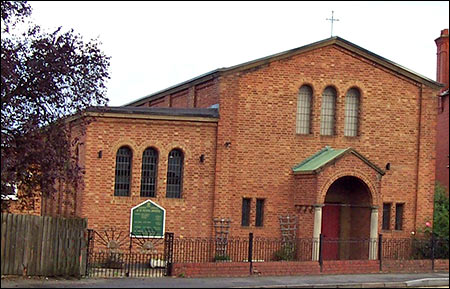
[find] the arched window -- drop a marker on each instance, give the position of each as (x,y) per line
(304,110)
(174,174)
(123,172)
(351,112)
(149,172)
(328,111)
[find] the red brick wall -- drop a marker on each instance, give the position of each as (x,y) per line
(237,269)
(190,215)
(414,266)
(258,116)
(406,266)
(160,102)
(201,95)
(206,94)
(285,268)
(349,267)
(225,269)
(442,144)
(179,99)
(64,202)
(441,265)
(305,190)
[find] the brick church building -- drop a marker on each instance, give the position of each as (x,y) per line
(331,134)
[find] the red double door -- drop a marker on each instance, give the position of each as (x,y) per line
(330,232)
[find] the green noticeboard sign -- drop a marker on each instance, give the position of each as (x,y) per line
(147,220)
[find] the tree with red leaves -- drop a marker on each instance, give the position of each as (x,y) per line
(45,77)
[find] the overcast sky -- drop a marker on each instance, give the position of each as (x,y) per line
(155,45)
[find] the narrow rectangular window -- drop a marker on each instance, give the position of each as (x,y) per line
(304,110)
(328,111)
(123,172)
(386,216)
(351,112)
(259,212)
(174,174)
(245,212)
(399,216)
(149,171)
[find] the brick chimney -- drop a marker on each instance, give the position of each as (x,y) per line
(442,58)
(442,129)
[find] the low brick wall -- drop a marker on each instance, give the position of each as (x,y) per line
(213,269)
(413,266)
(441,265)
(285,268)
(351,267)
(406,266)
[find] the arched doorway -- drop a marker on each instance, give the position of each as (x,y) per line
(346,220)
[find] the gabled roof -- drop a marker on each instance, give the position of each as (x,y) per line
(327,155)
(260,61)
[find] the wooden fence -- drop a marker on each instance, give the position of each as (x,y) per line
(42,246)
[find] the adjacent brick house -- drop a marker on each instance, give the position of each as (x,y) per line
(329,132)
(442,144)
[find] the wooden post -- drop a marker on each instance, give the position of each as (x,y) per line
(3,255)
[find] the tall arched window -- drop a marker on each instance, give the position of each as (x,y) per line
(351,112)
(328,111)
(123,172)
(149,172)
(174,174)
(304,110)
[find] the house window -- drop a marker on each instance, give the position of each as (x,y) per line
(351,112)
(123,172)
(399,216)
(174,174)
(259,212)
(304,110)
(328,111)
(245,212)
(149,172)
(386,216)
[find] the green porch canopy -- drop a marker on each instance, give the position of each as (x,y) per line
(325,156)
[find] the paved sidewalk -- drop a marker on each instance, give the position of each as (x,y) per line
(322,281)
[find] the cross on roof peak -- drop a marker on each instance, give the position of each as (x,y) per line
(332,19)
